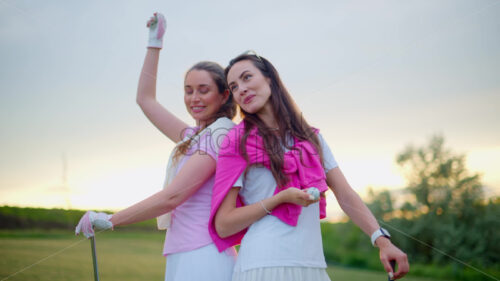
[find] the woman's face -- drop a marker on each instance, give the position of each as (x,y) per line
(202,97)
(250,89)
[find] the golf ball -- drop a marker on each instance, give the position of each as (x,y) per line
(314,192)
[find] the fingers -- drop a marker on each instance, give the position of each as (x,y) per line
(162,25)
(314,193)
(157,18)
(309,198)
(87,228)
(403,267)
(85,225)
(303,198)
(392,253)
(78,228)
(305,201)
(387,265)
(151,21)
(299,197)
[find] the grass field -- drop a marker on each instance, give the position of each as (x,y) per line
(44,256)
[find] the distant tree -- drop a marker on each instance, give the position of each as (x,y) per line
(439,179)
(440,218)
(381,203)
(447,210)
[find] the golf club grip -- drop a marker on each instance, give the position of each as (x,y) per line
(393,266)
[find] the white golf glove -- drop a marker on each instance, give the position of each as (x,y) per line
(157,26)
(92,219)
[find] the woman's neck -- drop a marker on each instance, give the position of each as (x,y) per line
(266,114)
(204,123)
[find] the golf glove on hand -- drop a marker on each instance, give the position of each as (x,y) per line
(157,26)
(92,219)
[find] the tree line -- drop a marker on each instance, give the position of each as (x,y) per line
(441,219)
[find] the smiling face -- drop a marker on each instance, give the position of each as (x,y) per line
(250,88)
(202,97)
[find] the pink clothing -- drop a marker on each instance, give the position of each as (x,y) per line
(189,225)
(302,165)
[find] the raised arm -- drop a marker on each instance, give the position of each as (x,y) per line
(164,120)
(231,219)
(353,206)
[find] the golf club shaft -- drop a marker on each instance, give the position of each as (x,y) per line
(94,258)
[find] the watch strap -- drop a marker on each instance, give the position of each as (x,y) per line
(379,232)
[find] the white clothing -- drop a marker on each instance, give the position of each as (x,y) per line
(269,242)
(205,263)
(191,254)
(287,273)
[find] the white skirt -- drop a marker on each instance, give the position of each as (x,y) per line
(282,273)
(205,263)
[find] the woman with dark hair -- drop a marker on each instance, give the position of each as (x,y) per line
(184,204)
(270,166)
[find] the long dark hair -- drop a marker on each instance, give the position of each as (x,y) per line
(291,122)
(228,109)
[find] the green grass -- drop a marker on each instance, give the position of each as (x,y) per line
(337,273)
(57,255)
(121,256)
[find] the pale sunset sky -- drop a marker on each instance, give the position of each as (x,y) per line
(374,76)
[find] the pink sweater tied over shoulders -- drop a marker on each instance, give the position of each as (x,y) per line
(302,166)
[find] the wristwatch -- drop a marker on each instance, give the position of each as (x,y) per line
(380,232)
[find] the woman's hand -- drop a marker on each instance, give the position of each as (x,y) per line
(157,26)
(92,219)
(388,253)
(297,196)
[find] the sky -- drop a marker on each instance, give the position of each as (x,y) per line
(373,76)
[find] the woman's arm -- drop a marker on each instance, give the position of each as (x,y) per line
(197,170)
(231,219)
(353,206)
(165,121)
(350,202)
